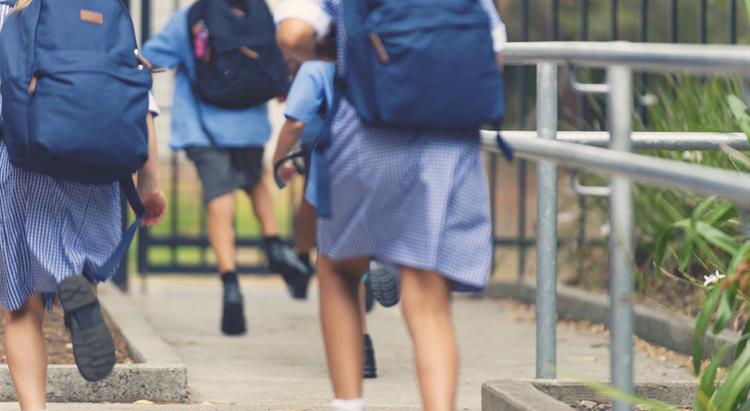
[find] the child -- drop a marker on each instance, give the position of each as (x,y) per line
(230,158)
(307,104)
(409,199)
(52,233)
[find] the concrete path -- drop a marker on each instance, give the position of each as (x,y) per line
(280,363)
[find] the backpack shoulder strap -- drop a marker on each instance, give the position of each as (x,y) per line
(104,271)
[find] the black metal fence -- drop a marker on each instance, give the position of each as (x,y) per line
(699,21)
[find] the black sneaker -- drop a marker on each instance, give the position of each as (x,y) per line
(93,347)
(300,293)
(385,285)
(233,318)
(369,295)
(283,260)
(370,369)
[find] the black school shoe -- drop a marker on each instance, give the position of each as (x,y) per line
(300,292)
(233,316)
(93,347)
(370,369)
(283,260)
(385,285)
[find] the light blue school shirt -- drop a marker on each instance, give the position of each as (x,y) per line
(247,127)
(312,87)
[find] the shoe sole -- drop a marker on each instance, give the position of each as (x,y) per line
(385,287)
(93,347)
(233,320)
(292,276)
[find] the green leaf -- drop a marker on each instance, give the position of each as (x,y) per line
(660,247)
(701,325)
(702,207)
(726,308)
(717,237)
(718,213)
(707,381)
(743,339)
(740,112)
(740,256)
(734,384)
(688,245)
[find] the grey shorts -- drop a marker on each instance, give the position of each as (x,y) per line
(224,170)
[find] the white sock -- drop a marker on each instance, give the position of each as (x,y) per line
(348,405)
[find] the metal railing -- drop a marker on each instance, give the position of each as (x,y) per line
(620,60)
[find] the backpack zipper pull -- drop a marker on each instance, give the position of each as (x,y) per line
(377,43)
(32,85)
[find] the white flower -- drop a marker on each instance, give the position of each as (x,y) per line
(649,99)
(692,156)
(713,278)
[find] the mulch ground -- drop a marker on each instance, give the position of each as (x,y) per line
(590,405)
(59,348)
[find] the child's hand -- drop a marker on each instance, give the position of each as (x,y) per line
(153,199)
(286,172)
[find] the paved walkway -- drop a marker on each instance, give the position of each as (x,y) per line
(280,363)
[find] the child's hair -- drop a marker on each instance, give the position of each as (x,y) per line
(22,4)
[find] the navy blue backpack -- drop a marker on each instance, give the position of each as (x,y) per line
(75,96)
(238,63)
(420,65)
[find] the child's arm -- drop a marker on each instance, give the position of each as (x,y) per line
(149,187)
(167,48)
(497,28)
(288,137)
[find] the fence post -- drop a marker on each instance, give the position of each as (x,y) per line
(621,282)
(546,263)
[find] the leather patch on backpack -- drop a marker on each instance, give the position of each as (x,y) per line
(249,53)
(93,17)
(238,13)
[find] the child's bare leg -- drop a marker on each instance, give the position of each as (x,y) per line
(362,308)
(342,323)
(304,227)
(262,203)
(27,356)
(220,222)
(425,301)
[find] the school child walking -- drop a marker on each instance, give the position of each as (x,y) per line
(56,233)
(307,104)
(413,199)
(223,133)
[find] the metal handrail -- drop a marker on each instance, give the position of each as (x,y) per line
(662,172)
(648,140)
(658,57)
(620,59)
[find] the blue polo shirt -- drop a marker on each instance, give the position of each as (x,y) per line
(312,87)
(247,127)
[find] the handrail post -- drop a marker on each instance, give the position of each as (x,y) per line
(546,263)
(621,282)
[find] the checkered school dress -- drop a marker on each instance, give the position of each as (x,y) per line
(403,198)
(50,229)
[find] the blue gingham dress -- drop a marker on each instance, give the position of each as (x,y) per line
(406,199)
(50,229)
